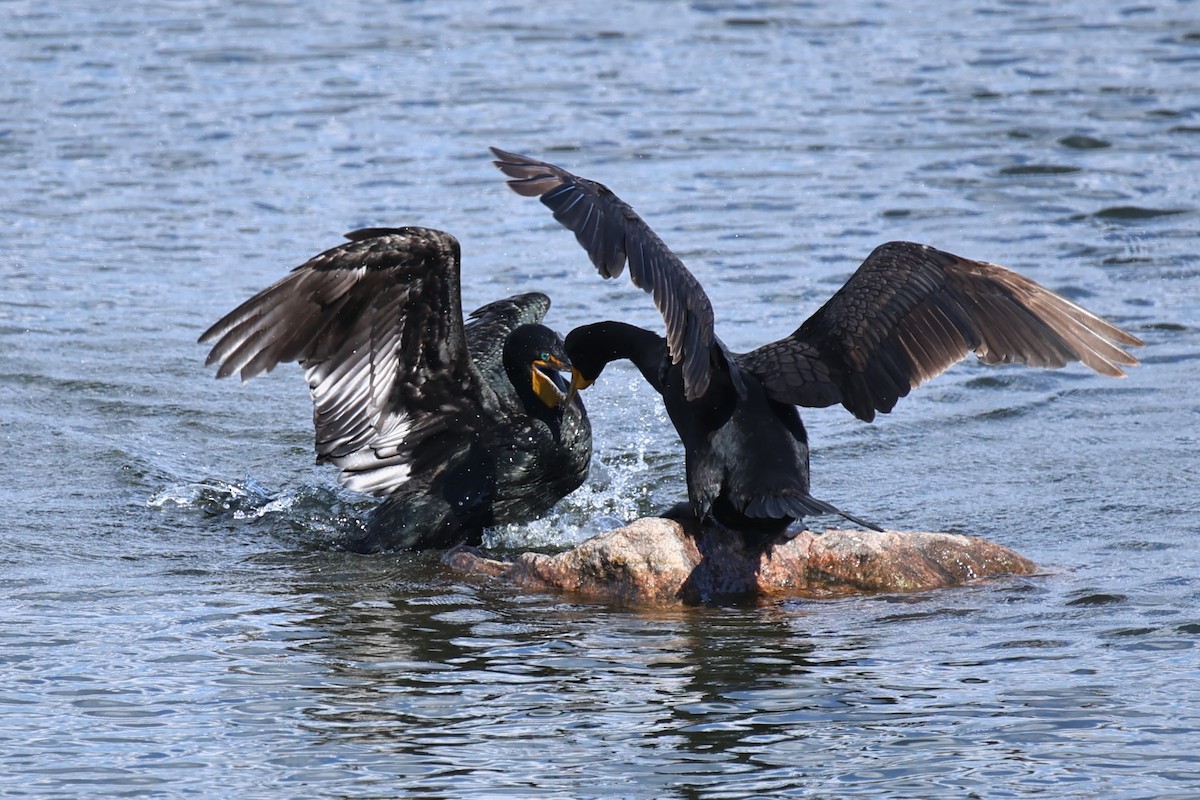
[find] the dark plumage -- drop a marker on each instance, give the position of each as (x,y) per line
(907,314)
(459,427)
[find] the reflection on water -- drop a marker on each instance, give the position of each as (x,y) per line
(465,687)
(177,619)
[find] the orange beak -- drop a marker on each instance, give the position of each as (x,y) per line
(578,383)
(546,390)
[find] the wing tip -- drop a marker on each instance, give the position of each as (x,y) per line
(527,176)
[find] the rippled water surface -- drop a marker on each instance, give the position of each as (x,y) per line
(173,619)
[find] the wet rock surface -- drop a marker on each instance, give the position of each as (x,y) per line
(659,561)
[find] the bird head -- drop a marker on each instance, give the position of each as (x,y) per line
(547,384)
(543,357)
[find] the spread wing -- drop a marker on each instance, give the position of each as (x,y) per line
(910,312)
(377,325)
(613,233)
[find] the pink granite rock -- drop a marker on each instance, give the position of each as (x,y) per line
(657,561)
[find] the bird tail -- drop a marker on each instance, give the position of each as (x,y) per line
(799,506)
(829,508)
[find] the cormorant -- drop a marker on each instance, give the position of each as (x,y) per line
(907,314)
(459,427)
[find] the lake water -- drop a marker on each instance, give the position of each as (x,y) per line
(173,621)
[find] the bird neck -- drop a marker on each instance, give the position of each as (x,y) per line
(592,347)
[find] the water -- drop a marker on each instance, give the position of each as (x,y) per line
(173,621)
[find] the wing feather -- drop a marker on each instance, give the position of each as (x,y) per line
(910,312)
(489,327)
(613,234)
(377,325)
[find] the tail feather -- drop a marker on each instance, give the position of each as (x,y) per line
(831,509)
(799,506)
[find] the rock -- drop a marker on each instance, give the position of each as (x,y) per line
(658,561)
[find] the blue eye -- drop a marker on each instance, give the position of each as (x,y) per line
(545,356)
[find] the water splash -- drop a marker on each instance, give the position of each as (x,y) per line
(216,497)
(313,516)
(627,480)
(618,490)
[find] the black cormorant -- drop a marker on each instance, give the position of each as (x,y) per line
(907,314)
(459,427)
